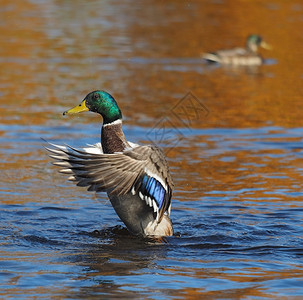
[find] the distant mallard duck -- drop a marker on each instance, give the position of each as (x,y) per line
(136,178)
(240,56)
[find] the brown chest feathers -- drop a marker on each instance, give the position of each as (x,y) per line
(113,138)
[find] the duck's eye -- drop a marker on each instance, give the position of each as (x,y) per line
(96,96)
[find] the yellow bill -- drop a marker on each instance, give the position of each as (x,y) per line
(77,109)
(265,45)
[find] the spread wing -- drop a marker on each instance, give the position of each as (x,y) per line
(140,170)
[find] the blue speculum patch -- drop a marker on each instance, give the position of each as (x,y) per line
(152,188)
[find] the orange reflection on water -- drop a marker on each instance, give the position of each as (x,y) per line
(53,53)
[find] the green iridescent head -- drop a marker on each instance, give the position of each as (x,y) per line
(254,41)
(99,102)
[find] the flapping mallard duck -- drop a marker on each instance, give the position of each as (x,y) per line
(135,178)
(240,56)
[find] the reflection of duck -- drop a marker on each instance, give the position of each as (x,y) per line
(136,178)
(240,56)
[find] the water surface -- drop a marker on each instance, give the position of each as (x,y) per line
(233,138)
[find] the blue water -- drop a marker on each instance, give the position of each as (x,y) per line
(230,237)
(232,136)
